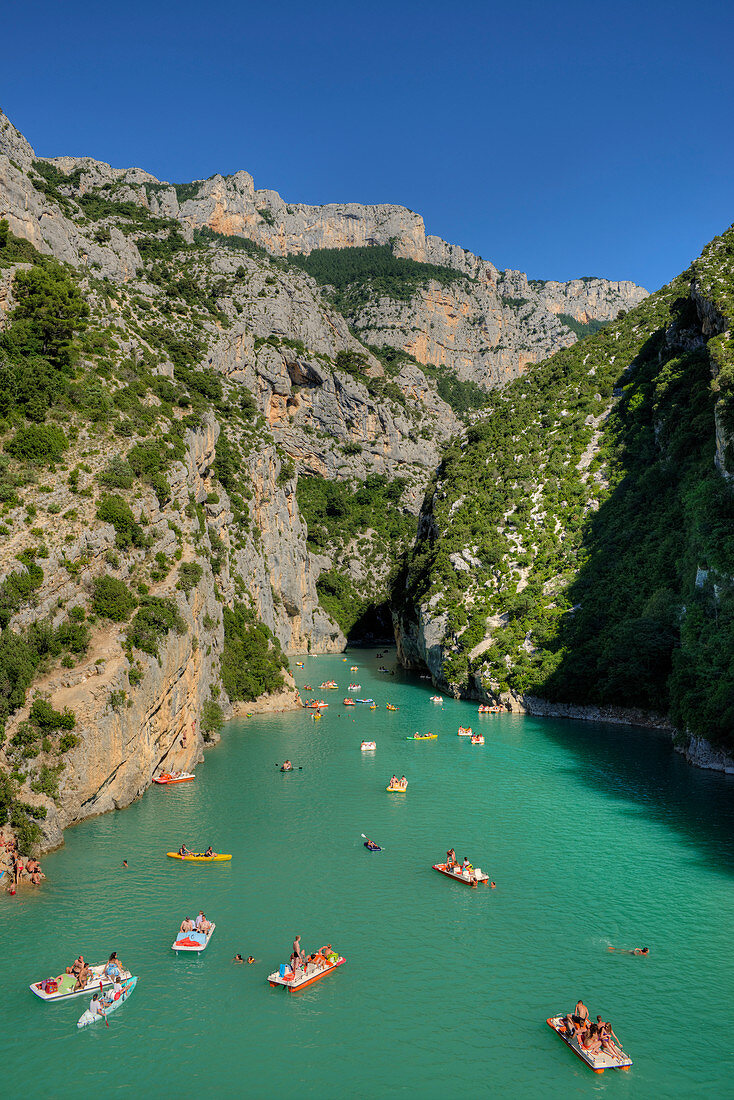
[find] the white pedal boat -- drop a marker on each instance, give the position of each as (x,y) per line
(311,974)
(192,941)
(367,746)
(67,983)
(469,878)
(598,1062)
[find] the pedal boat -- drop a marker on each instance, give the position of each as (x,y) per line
(349,703)
(311,974)
(598,1062)
(67,983)
(391,707)
(354,668)
(192,941)
(366,746)
(477,739)
(354,687)
(465,731)
(436,699)
(166,778)
(199,857)
(469,879)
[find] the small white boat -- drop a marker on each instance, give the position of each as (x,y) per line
(65,988)
(598,1062)
(192,941)
(312,973)
(436,699)
(465,731)
(354,687)
(90,1017)
(367,745)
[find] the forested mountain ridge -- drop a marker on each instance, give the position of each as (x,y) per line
(576,543)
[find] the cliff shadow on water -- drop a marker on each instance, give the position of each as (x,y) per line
(639,768)
(651,619)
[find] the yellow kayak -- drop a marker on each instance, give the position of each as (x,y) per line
(199,857)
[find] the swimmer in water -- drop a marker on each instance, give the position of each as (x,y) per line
(124,863)
(493,885)
(250,959)
(631,950)
(238,959)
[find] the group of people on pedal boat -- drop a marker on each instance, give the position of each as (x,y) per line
(83,974)
(198,924)
(322,959)
(594,1038)
(399,784)
(286,766)
(465,868)
(184,851)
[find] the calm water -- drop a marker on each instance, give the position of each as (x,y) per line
(594,834)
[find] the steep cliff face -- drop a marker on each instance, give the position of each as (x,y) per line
(574,547)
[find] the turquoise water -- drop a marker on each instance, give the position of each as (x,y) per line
(594,835)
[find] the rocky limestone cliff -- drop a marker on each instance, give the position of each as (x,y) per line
(488,331)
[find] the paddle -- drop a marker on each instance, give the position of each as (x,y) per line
(101,990)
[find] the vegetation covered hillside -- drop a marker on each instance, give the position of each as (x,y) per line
(577,543)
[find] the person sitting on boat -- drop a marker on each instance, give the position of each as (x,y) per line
(287,766)
(187,925)
(466,867)
(209,852)
(184,851)
(202,924)
(404,783)
(80,971)
(114,967)
(97,1005)
(591,1041)
(371,845)
(609,1041)
(394,781)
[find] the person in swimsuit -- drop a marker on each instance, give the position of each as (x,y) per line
(609,1041)
(184,851)
(581,1011)
(209,852)
(404,783)
(238,959)
(250,959)
(187,925)
(297,956)
(394,782)
(114,967)
(450,859)
(631,950)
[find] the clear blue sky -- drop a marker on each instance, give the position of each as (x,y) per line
(562,139)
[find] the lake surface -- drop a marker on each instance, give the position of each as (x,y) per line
(595,835)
